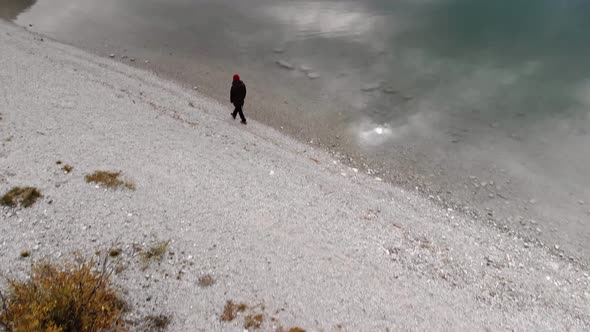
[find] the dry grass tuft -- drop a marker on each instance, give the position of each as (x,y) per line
(25,197)
(292,329)
(67,168)
(253,321)
(158,323)
(154,252)
(64,298)
(296,329)
(206,280)
(231,310)
(109,180)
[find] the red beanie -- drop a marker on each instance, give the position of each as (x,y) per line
(236,77)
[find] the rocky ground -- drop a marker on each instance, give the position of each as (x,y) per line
(245,214)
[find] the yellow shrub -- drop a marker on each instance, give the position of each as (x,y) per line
(68,298)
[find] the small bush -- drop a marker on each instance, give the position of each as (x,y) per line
(109,180)
(25,197)
(253,321)
(66,298)
(25,253)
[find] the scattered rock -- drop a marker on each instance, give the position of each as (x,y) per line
(371,87)
(313,75)
(278,50)
(581,202)
(389,90)
(285,64)
(305,68)
(111,55)
(195,88)
(132,59)
(533,201)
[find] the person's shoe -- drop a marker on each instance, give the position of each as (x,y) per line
(244,122)
(233,115)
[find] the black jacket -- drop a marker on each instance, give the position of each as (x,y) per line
(238,92)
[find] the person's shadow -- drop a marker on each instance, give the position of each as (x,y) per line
(10,9)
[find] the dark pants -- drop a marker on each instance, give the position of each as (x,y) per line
(237,111)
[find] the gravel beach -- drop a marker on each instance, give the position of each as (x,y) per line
(278,225)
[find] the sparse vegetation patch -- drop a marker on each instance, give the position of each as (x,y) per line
(231,310)
(24,197)
(70,297)
(109,180)
(253,321)
(153,253)
(206,280)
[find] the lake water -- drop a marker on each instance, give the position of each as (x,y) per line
(482,103)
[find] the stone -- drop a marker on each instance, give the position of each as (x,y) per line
(371,87)
(305,68)
(285,64)
(278,50)
(111,55)
(313,75)
(389,90)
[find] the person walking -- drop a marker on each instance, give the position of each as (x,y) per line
(237,97)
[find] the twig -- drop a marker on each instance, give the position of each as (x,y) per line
(5,307)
